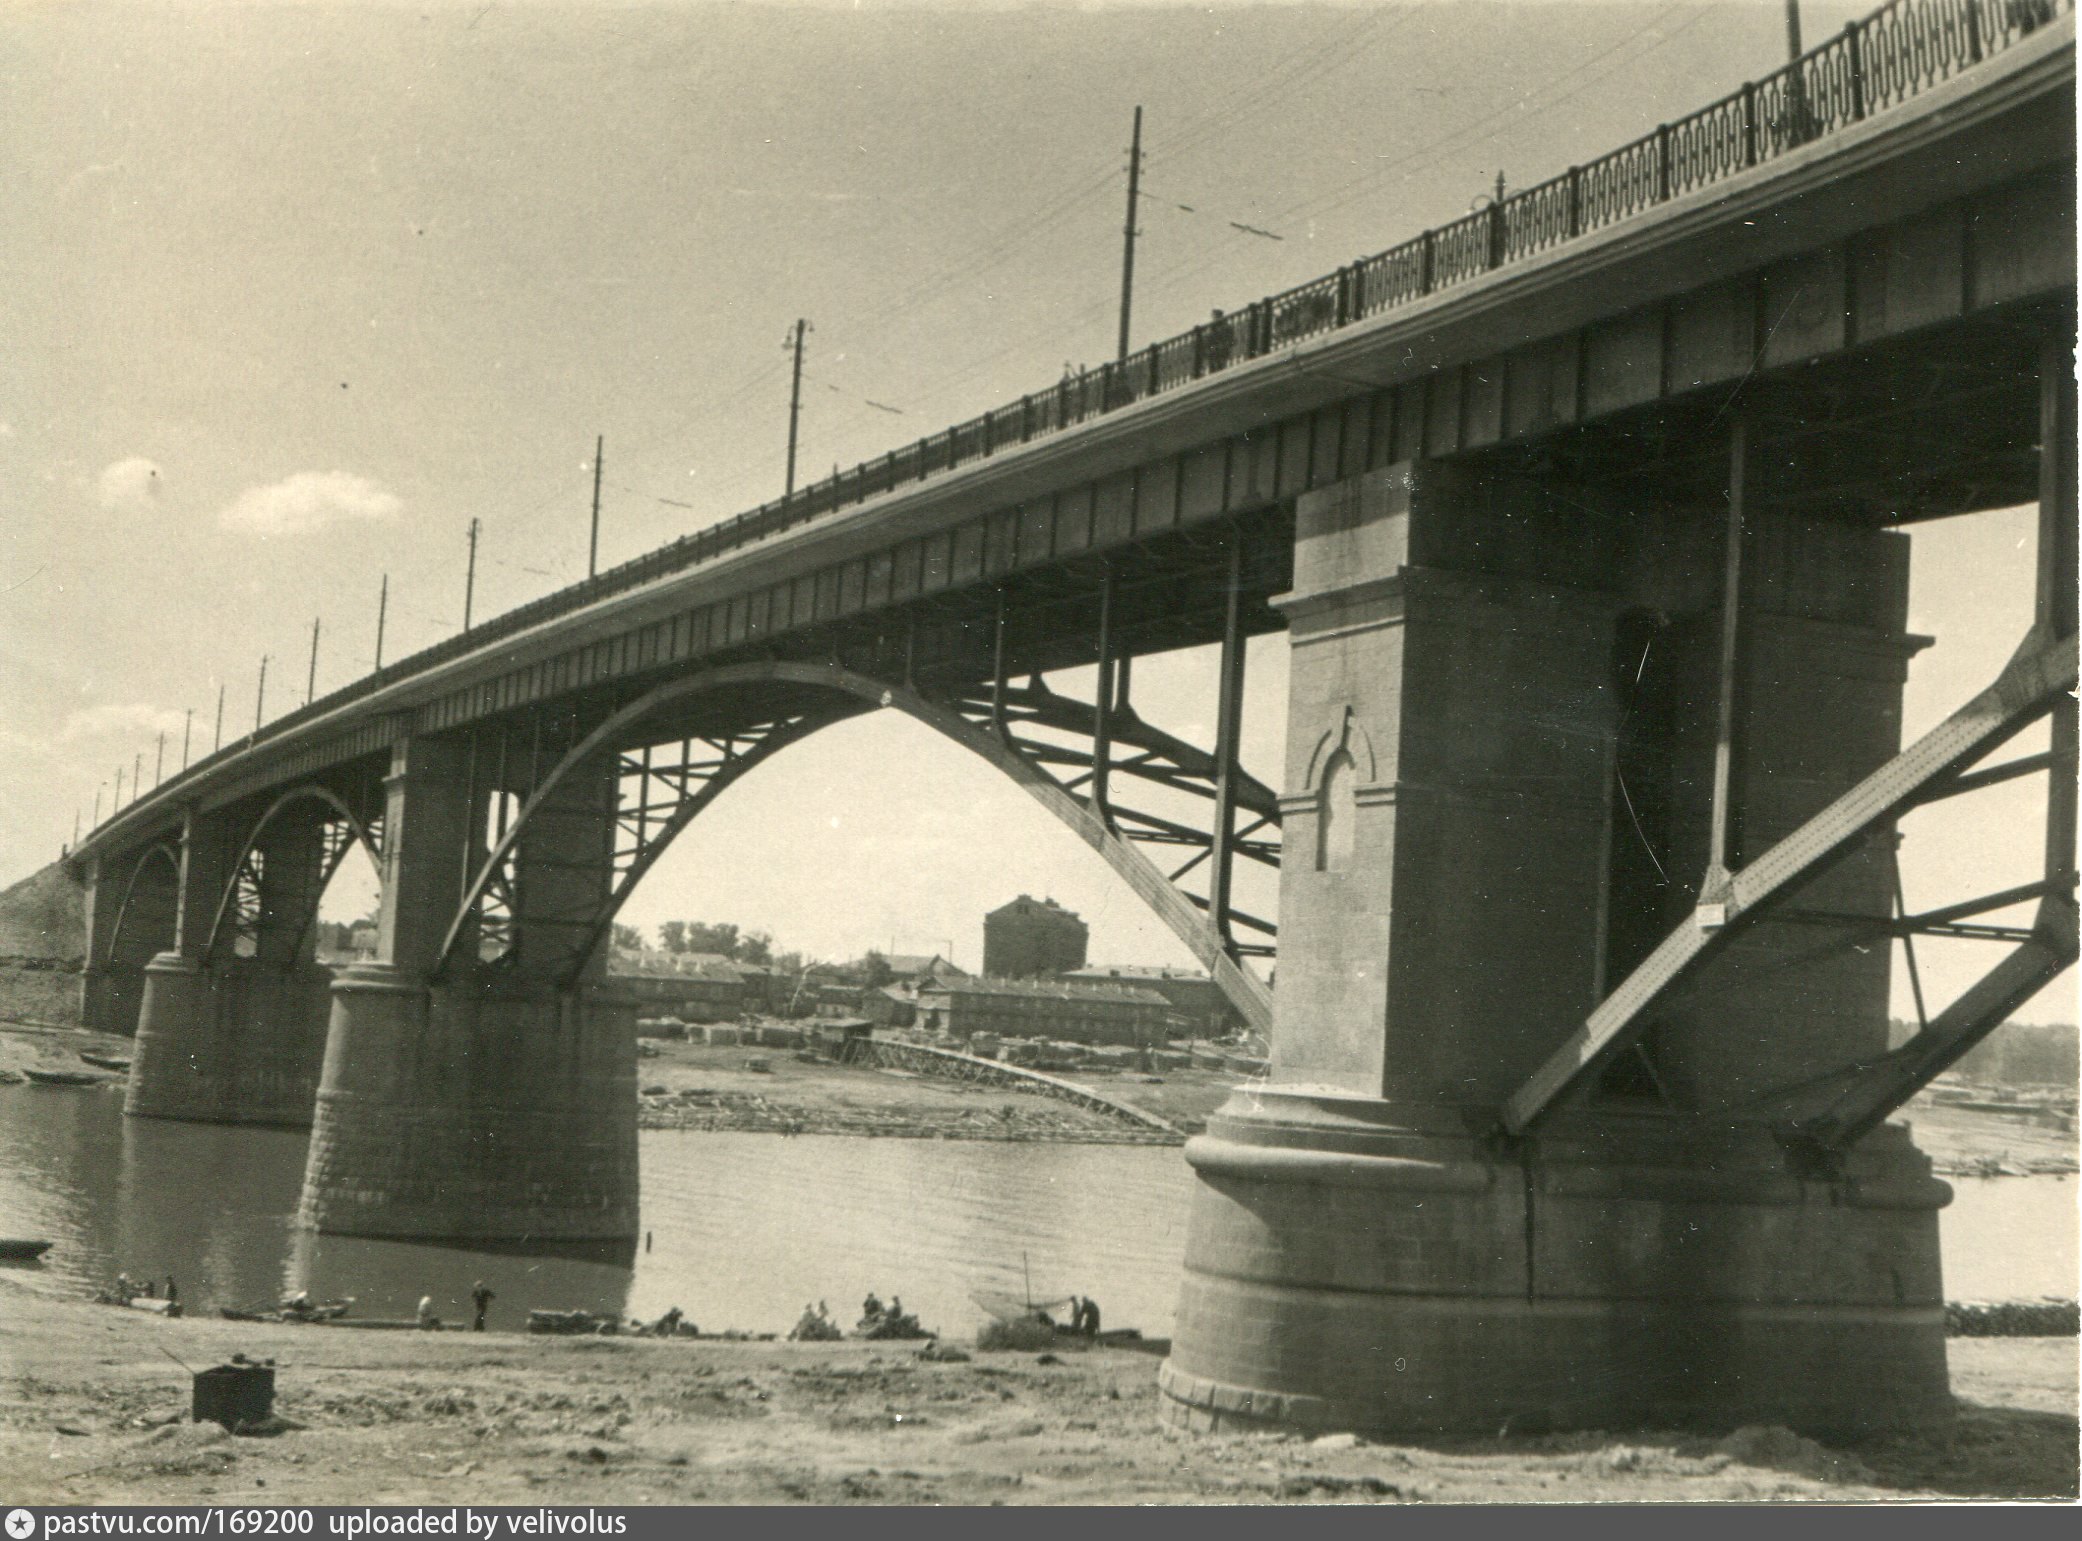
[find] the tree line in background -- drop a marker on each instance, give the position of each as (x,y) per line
(727,940)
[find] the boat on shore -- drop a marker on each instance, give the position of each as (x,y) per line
(105,1061)
(22,1250)
(62,1077)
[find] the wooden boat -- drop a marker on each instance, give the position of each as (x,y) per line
(316,1311)
(62,1077)
(154,1305)
(22,1251)
(105,1061)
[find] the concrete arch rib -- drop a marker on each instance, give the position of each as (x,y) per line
(162,851)
(854,692)
(303,794)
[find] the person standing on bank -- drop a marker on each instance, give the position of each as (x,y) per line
(481,1298)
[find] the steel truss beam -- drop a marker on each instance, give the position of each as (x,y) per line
(1016,715)
(659,793)
(1820,1120)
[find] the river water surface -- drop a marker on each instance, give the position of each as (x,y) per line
(744,1228)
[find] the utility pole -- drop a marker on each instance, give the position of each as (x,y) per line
(75,831)
(382,606)
(137,775)
(593,547)
(1796,83)
(260,696)
(187,730)
(794,404)
(311,679)
(470,577)
(159,762)
(218,743)
(1128,234)
(118,803)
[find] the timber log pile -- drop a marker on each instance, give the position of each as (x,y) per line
(2044,1318)
(710,1111)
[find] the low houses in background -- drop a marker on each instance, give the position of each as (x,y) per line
(1069,1011)
(1192,994)
(693,986)
(914,971)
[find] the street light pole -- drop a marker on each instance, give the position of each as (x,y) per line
(794,406)
(470,577)
(1128,237)
(593,546)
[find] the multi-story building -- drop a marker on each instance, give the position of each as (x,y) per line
(1045,1008)
(1193,996)
(1031,938)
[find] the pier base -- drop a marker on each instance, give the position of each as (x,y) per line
(1348,1270)
(481,1110)
(238,1043)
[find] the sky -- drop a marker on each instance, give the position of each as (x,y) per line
(294,292)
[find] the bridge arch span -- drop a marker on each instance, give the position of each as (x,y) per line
(153,888)
(237,912)
(838,693)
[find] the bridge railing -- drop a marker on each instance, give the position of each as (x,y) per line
(1877,62)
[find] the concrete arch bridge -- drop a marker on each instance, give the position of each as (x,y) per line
(1584,519)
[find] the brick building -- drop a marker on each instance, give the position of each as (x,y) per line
(1193,996)
(1032,938)
(1045,1008)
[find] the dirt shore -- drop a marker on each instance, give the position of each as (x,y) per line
(696,1087)
(390,1417)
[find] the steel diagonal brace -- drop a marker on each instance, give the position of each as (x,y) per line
(2041,672)
(1862,1098)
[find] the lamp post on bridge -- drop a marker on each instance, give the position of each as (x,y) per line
(1128,236)
(260,696)
(470,576)
(159,761)
(794,343)
(187,728)
(311,679)
(382,609)
(218,743)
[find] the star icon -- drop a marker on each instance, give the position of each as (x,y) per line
(21,1524)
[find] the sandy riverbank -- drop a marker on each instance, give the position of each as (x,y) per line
(697,1088)
(457,1417)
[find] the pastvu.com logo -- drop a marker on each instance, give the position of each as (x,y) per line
(21,1525)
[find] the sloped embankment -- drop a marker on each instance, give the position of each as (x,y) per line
(43,937)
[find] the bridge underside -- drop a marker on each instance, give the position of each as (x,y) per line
(1585,836)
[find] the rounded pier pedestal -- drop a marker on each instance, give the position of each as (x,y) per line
(238,1043)
(1347,1269)
(487,1110)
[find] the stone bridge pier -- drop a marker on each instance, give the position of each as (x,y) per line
(470,1101)
(1500,795)
(232,1025)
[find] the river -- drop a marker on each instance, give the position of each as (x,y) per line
(744,1229)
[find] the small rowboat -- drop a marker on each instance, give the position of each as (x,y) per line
(22,1251)
(63,1077)
(105,1061)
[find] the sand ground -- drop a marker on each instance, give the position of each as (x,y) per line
(87,1392)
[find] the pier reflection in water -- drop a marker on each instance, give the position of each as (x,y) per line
(744,1228)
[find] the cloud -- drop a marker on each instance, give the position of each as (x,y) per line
(125,720)
(307,501)
(130,486)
